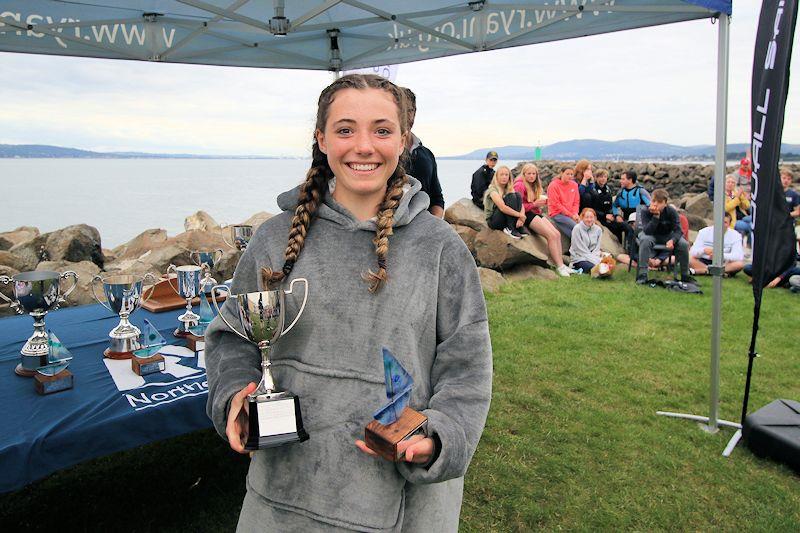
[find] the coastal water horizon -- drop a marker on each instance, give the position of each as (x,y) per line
(124,197)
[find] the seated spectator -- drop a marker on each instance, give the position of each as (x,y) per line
(482,177)
(744,176)
(660,224)
(529,187)
(702,251)
(630,196)
(792,196)
(563,201)
(585,178)
(783,279)
(602,202)
(737,205)
(584,248)
(502,206)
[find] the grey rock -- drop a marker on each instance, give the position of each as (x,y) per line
(9,239)
(74,244)
(142,243)
(494,249)
(200,221)
(465,213)
(523,272)
(491,280)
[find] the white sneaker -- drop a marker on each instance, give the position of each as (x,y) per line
(511,233)
(564,271)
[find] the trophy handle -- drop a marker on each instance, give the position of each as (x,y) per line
(218,258)
(65,275)
(225,229)
(192,257)
(152,287)
(173,268)
(94,294)
(5,280)
(219,312)
(302,307)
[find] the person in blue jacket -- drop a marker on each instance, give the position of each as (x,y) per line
(630,196)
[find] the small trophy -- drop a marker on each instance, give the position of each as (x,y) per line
(188,288)
(53,375)
(395,421)
(197,334)
(274,416)
(147,360)
(36,293)
(241,233)
(123,296)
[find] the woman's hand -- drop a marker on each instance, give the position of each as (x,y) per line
(541,202)
(418,449)
(237,428)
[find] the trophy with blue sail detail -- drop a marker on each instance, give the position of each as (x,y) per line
(395,421)
(147,360)
(53,375)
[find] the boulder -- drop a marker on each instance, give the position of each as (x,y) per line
(86,270)
(491,280)
(10,260)
(9,239)
(142,243)
(175,250)
(256,220)
(467,235)
(696,222)
(495,249)
(522,272)
(201,221)
(609,243)
(74,244)
(224,269)
(700,206)
(465,213)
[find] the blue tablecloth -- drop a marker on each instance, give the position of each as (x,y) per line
(109,408)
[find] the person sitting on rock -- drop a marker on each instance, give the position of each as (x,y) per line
(630,196)
(584,175)
(482,177)
(563,201)
(602,201)
(529,186)
(502,206)
(737,205)
(702,251)
(584,248)
(660,224)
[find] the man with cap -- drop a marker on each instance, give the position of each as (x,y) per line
(482,178)
(422,162)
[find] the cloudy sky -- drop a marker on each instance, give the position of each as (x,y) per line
(657,84)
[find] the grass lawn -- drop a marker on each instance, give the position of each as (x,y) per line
(572,440)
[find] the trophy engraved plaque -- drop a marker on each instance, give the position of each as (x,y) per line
(395,421)
(188,287)
(53,375)
(123,296)
(147,360)
(36,293)
(274,416)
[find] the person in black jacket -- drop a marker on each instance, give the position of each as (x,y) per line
(482,178)
(422,162)
(660,224)
(602,200)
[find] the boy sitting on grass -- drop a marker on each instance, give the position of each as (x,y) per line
(660,224)
(702,251)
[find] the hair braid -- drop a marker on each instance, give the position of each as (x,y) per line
(394,192)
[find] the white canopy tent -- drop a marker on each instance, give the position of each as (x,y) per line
(340,35)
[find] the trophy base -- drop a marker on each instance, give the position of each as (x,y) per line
(50,384)
(111,354)
(181,333)
(147,365)
(274,420)
(24,372)
(383,440)
(195,343)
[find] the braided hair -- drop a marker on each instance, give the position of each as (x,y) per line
(313,189)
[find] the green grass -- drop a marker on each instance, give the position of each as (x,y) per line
(572,441)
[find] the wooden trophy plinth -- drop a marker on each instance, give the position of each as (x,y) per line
(383,440)
(195,343)
(50,384)
(147,365)
(111,354)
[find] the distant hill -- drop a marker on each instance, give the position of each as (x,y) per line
(627,149)
(47,151)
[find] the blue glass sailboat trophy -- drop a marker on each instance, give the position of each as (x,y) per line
(395,421)
(147,360)
(53,375)
(196,340)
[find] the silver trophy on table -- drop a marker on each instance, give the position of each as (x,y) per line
(123,294)
(36,293)
(188,277)
(208,258)
(274,415)
(241,235)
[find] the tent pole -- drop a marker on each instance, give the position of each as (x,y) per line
(717,268)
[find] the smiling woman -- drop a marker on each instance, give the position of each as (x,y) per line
(355,201)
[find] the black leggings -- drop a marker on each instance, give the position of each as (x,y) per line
(500,220)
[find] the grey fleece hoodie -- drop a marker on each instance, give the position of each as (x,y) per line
(431,314)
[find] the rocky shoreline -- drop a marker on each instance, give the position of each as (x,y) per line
(498,257)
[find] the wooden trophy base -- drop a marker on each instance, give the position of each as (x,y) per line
(24,372)
(50,384)
(164,297)
(147,365)
(274,422)
(195,343)
(383,440)
(108,353)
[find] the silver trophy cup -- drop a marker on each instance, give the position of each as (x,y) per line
(188,277)
(274,415)
(36,293)
(209,259)
(240,234)
(123,296)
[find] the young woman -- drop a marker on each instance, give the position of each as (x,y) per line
(502,206)
(382,272)
(563,201)
(529,187)
(584,248)
(737,205)
(586,186)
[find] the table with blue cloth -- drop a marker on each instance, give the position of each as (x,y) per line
(109,408)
